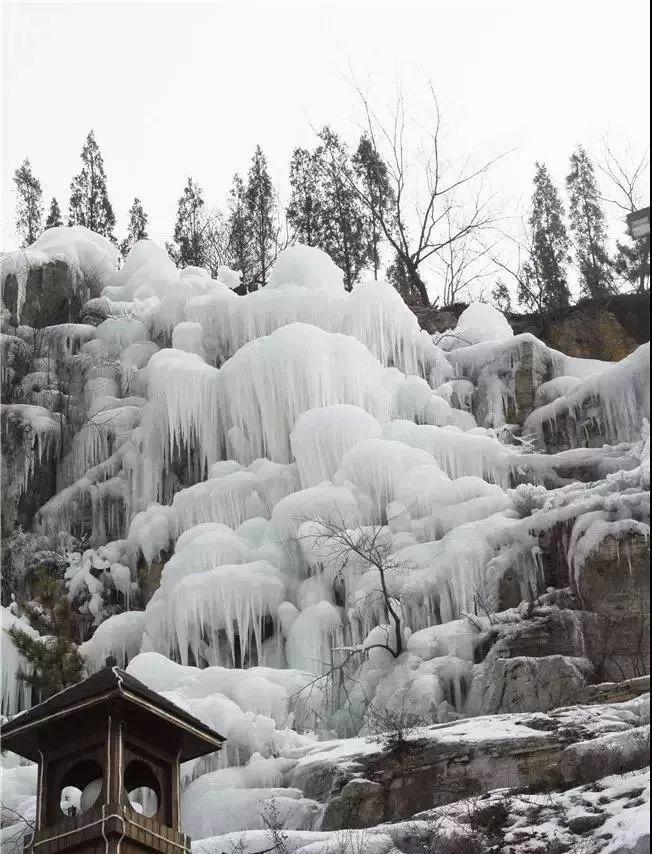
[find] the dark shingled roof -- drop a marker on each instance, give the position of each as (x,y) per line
(108,684)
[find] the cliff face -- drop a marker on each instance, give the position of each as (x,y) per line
(607,329)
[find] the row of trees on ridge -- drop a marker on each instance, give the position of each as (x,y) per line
(381,207)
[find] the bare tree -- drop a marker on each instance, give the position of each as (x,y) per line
(626,178)
(431,203)
(628,185)
(368,544)
(13,841)
(462,263)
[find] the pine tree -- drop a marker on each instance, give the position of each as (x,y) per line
(588,226)
(344,236)
(137,229)
(54,215)
(240,251)
(29,207)
(89,200)
(261,208)
(187,250)
(544,284)
(371,171)
(399,276)
(305,209)
(53,659)
(501,297)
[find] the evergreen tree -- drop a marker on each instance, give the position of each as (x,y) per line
(501,297)
(240,252)
(137,229)
(544,285)
(89,199)
(305,209)
(54,215)
(371,171)
(399,276)
(261,208)
(588,225)
(29,207)
(187,250)
(344,235)
(53,659)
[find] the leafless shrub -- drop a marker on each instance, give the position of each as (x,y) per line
(391,727)
(273,823)
(603,759)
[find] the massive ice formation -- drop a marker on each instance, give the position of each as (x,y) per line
(269,482)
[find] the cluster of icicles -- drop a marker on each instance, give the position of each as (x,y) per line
(233,435)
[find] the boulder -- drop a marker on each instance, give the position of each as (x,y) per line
(529,684)
(54,293)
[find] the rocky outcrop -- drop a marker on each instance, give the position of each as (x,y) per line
(606,329)
(591,333)
(530,684)
(613,586)
(365,783)
(54,293)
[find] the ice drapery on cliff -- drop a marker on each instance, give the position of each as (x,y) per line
(265,454)
(613,401)
(16,694)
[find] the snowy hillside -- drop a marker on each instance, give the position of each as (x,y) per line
(303,519)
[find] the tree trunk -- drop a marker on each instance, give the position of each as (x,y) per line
(417,282)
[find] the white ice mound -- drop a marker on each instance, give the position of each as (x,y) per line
(614,401)
(269,382)
(184,392)
(147,271)
(321,438)
(16,693)
(307,267)
(119,636)
(250,708)
(479,322)
(89,255)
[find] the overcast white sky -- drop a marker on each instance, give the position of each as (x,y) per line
(189,88)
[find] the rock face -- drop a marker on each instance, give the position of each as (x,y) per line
(614,588)
(591,333)
(607,330)
(363,784)
(55,293)
(529,683)
(531,371)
